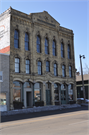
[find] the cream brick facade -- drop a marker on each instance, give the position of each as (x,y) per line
(45,25)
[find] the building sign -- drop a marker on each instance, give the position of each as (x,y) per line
(4,32)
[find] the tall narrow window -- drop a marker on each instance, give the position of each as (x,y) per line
(47,66)
(68,51)
(46,46)
(16,39)
(26,41)
(17,65)
(55,69)
(70,71)
(54,48)
(38,44)
(39,67)
(63,71)
(62,50)
(27,66)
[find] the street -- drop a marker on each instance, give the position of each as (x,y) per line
(75,122)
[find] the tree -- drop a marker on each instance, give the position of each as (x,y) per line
(86,69)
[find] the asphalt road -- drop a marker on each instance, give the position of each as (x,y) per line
(60,122)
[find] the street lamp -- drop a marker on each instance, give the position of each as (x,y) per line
(82,56)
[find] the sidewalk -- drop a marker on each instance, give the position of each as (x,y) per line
(40,109)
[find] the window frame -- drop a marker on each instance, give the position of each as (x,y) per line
(62,50)
(55,68)
(26,41)
(16,38)
(39,66)
(69,52)
(70,70)
(18,64)
(54,48)
(38,44)
(26,64)
(48,66)
(63,71)
(46,46)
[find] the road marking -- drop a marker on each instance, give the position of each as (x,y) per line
(26,121)
(79,122)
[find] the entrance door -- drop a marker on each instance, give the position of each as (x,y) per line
(28,99)
(63,96)
(48,97)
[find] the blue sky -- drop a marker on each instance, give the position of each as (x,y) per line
(72,14)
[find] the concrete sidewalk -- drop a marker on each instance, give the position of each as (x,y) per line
(40,109)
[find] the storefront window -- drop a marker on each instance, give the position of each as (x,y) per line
(16,91)
(2,99)
(37,92)
(70,91)
(56,94)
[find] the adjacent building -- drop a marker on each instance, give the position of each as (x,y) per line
(4,82)
(42,63)
(80,87)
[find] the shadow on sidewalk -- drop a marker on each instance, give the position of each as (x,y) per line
(40,114)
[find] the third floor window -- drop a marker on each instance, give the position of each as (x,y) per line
(68,51)
(47,66)
(54,48)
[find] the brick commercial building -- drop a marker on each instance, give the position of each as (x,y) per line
(42,63)
(4,82)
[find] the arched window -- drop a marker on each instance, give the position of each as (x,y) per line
(26,41)
(70,71)
(28,66)
(17,65)
(47,66)
(27,85)
(37,92)
(69,52)
(54,48)
(16,39)
(55,69)
(17,91)
(38,44)
(62,50)
(46,46)
(70,92)
(63,71)
(56,95)
(39,67)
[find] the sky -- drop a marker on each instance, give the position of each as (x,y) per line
(71,14)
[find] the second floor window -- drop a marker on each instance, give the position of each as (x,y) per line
(62,50)
(70,71)
(26,42)
(68,51)
(47,66)
(54,48)
(17,65)
(55,69)
(46,46)
(39,67)
(38,44)
(28,66)
(63,71)
(16,39)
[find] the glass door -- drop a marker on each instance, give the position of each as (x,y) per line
(63,96)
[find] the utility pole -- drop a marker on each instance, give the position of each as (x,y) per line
(82,76)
